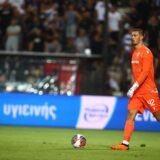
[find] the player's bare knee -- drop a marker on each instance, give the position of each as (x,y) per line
(131,115)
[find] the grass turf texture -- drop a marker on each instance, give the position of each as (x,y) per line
(29,143)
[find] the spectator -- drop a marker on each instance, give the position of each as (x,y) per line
(19,4)
(6,14)
(81,41)
(114,75)
(133,17)
(126,45)
(53,45)
(114,19)
(71,17)
(13,36)
(97,39)
(36,40)
(153,38)
(49,9)
(86,20)
(153,34)
(143,7)
(100,10)
(156,3)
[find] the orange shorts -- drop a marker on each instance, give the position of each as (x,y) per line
(149,101)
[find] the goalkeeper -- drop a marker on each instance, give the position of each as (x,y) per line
(143,93)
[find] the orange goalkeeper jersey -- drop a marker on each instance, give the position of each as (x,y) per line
(143,70)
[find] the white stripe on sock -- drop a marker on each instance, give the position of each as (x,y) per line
(125,142)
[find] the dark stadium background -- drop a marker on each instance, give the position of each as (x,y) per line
(83,35)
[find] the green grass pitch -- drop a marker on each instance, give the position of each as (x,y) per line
(33,143)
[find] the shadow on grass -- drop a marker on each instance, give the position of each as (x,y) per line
(99,147)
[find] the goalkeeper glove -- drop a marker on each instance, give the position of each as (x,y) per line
(132,90)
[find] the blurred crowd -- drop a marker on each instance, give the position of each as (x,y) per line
(77,26)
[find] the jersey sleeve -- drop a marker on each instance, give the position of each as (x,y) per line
(146,66)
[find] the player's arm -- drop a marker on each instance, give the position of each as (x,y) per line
(147,61)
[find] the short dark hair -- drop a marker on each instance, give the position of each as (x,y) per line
(138,30)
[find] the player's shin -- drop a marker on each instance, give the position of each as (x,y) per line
(128,130)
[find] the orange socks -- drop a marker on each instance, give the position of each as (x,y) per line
(128,130)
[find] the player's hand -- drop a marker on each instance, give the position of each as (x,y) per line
(132,90)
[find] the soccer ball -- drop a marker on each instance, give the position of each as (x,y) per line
(78,141)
